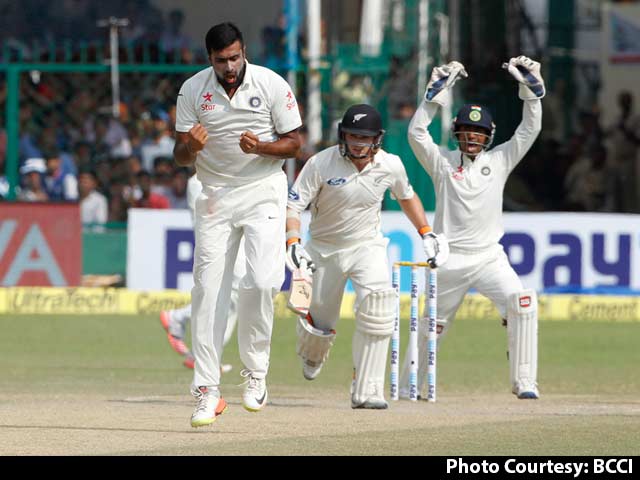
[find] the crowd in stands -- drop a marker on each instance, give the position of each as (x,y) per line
(73,149)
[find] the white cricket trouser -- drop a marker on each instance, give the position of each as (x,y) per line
(489,272)
(367,268)
(223,216)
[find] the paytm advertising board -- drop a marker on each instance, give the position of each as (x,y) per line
(547,250)
(40,245)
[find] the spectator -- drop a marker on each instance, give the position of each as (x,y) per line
(624,142)
(148,198)
(161,142)
(172,39)
(32,185)
(177,195)
(93,205)
(59,184)
(162,175)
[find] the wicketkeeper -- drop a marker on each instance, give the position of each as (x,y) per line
(345,185)
(469,182)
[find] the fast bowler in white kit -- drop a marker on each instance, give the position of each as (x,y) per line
(469,183)
(237,121)
(345,185)
(175,321)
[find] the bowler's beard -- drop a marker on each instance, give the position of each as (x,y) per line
(239,78)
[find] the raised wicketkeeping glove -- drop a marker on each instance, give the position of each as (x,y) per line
(441,81)
(527,72)
(436,249)
(297,257)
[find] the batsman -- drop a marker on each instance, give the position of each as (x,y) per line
(345,185)
(469,182)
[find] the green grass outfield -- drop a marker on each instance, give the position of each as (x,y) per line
(111,385)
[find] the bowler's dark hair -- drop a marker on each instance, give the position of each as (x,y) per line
(221,36)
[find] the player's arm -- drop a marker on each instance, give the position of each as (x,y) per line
(438,93)
(287,145)
(531,90)
(436,248)
(304,190)
(189,144)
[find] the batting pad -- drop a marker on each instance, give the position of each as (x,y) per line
(376,313)
(522,329)
(313,344)
(370,361)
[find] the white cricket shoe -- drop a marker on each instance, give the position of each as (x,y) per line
(526,391)
(311,370)
(210,405)
(254,397)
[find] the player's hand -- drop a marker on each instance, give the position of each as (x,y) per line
(198,137)
(249,142)
(297,257)
(442,80)
(436,249)
(527,72)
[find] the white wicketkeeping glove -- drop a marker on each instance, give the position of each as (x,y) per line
(436,248)
(297,257)
(527,72)
(442,80)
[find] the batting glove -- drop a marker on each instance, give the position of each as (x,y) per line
(297,257)
(527,72)
(436,249)
(442,80)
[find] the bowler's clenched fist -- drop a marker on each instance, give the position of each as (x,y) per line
(198,137)
(249,142)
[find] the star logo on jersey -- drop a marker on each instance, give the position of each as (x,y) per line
(207,97)
(458,173)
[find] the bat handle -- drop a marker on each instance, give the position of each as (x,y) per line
(505,65)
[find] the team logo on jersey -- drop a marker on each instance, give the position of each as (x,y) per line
(293,195)
(334,182)
(291,101)
(255,102)
(486,171)
(475,116)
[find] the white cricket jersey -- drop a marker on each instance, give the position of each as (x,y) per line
(264,105)
(469,193)
(345,203)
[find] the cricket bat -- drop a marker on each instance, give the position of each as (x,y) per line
(300,293)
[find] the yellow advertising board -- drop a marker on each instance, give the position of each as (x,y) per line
(120,301)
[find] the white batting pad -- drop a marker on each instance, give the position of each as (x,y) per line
(313,344)
(522,329)
(370,361)
(376,312)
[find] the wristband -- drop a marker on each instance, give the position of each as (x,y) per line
(424,230)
